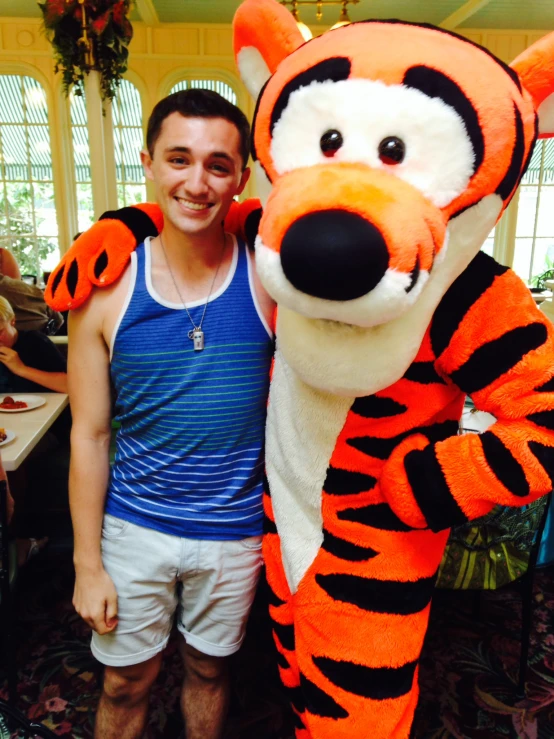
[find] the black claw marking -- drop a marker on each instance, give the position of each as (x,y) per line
(57,279)
(100,264)
(72,277)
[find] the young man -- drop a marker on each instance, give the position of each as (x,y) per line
(184,336)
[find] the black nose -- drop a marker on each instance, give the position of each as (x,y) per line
(334,254)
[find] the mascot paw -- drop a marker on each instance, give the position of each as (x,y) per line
(395,485)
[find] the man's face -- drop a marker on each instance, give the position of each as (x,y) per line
(196,168)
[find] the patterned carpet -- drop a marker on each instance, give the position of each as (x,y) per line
(468,674)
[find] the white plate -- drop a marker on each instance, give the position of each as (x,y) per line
(33,401)
(10,436)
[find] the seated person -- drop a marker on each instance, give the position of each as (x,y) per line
(8,264)
(29,360)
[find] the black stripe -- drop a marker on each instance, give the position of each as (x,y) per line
(545,455)
(101,263)
(319,703)
(253,152)
(282,660)
(544,419)
(272,598)
(72,277)
(383,448)
(296,698)
(460,296)
(251,227)
(431,491)
(136,220)
(378,516)
(498,356)
(344,482)
(548,387)
(394,21)
(285,634)
(374,406)
(57,279)
(379,596)
(346,550)
(268,526)
(415,275)
(435,84)
(265,486)
(377,683)
(515,170)
(334,69)
(424,373)
(504,465)
(531,146)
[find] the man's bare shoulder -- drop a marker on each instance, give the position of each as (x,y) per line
(102,309)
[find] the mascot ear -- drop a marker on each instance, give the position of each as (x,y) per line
(535,68)
(264,34)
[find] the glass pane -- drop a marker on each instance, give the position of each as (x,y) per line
(36,108)
(128,140)
(135,194)
(39,151)
(11,99)
(543,258)
(48,253)
(45,209)
(15,152)
(216,85)
(20,208)
(522,258)
(526,211)
(545,220)
(85,214)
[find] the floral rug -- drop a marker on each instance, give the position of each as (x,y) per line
(468,672)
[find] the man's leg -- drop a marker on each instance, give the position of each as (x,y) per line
(205,694)
(123,706)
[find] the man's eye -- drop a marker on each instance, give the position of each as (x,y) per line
(220,168)
(178,160)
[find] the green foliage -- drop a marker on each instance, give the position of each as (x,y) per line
(17,232)
(104,30)
(537,282)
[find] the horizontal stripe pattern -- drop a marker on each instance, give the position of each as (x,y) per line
(189,453)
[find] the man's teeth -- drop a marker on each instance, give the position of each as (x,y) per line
(194,206)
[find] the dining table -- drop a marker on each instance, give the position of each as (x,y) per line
(28,426)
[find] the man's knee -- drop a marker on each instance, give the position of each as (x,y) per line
(204,667)
(130,685)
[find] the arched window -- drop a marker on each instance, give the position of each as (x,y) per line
(81,161)
(534,247)
(28,223)
(216,85)
(127,124)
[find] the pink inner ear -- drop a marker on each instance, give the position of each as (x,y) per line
(267,26)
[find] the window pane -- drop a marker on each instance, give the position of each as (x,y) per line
(28,223)
(543,257)
(545,219)
(522,258)
(526,210)
(215,85)
(127,119)
(85,210)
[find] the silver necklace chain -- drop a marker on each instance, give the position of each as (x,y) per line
(196,334)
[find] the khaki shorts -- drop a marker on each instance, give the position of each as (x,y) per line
(209,584)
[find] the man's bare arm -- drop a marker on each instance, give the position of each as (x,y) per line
(89,391)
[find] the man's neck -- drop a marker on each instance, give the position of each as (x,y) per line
(192,253)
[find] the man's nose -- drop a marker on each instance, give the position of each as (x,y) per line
(196,182)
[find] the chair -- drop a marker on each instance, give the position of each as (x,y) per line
(8,572)
(496,550)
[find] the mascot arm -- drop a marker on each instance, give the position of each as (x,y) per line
(100,255)
(502,355)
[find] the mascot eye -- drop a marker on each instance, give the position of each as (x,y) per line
(331,142)
(392,150)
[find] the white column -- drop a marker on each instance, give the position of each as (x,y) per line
(102,148)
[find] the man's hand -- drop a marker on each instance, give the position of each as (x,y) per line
(12,360)
(95,600)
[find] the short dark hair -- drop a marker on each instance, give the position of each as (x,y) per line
(198,103)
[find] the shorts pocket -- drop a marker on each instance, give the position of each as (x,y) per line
(253,543)
(112,527)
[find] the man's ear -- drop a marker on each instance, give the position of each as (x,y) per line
(535,68)
(264,34)
(146,161)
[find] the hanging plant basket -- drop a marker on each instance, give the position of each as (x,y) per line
(89,35)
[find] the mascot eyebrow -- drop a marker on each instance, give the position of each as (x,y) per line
(435,84)
(330,70)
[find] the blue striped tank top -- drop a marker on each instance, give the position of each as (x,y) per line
(189,452)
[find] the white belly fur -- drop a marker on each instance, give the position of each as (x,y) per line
(303,425)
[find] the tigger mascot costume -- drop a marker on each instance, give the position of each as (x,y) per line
(392,150)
